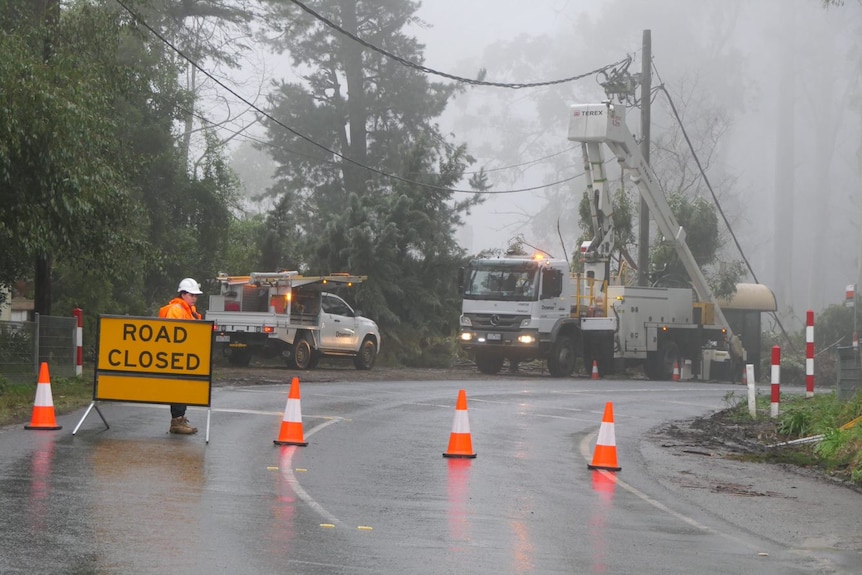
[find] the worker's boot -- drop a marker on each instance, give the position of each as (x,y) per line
(181,425)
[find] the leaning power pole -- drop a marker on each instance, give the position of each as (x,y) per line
(643,222)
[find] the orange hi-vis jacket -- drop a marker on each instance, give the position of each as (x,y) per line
(179,309)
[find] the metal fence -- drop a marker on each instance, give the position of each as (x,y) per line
(25,345)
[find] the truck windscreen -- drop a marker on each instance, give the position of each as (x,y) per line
(501,282)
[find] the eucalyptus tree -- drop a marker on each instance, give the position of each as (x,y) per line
(365,177)
(90,160)
(62,186)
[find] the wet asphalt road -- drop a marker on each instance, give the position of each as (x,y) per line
(372,493)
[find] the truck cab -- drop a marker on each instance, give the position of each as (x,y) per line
(517,308)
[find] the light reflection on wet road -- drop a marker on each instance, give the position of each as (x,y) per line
(371,492)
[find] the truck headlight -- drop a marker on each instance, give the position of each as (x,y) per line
(466,336)
(527,338)
(465,321)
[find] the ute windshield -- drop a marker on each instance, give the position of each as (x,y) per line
(508,281)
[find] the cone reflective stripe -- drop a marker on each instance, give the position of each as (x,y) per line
(460,443)
(291,425)
(595,374)
(605,456)
(43,407)
(676,371)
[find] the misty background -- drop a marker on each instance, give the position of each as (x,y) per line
(769,91)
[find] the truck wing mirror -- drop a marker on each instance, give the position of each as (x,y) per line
(461,280)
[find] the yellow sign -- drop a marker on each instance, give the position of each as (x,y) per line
(154,360)
(154,345)
(153,389)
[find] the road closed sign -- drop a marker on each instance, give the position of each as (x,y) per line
(154,360)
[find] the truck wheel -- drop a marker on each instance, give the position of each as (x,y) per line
(239,356)
(364,360)
(302,353)
(660,364)
(561,362)
(489,363)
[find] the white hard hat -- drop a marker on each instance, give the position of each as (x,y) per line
(191,286)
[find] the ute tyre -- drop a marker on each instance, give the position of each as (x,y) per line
(302,353)
(561,362)
(489,363)
(366,356)
(239,357)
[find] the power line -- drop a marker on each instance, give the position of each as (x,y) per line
(516,86)
(311,140)
(717,203)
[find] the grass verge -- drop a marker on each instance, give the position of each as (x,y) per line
(16,399)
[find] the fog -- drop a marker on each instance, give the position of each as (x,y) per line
(769,90)
(778,79)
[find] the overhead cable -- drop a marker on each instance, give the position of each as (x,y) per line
(311,141)
(515,86)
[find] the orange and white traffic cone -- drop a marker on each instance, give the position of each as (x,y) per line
(605,456)
(675,375)
(460,443)
(291,425)
(43,408)
(595,374)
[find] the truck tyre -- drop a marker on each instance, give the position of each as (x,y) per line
(489,363)
(239,356)
(561,362)
(364,359)
(659,365)
(302,353)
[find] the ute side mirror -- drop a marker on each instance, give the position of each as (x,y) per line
(552,283)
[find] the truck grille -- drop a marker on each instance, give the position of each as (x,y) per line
(495,321)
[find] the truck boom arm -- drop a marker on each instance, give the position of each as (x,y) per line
(606,124)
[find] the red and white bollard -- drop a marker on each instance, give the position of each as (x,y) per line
(776,377)
(79,341)
(809,354)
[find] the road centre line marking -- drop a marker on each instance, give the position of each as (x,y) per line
(290,477)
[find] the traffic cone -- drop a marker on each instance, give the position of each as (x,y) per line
(460,443)
(291,425)
(675,375)
(605,456)
(43,408)
(595,374)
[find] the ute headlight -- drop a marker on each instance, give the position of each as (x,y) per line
(527,338)
(465,321)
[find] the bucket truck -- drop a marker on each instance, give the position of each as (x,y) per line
(564,315)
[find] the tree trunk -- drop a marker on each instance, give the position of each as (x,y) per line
(50,10)
(354,176)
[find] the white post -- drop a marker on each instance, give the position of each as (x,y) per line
(752,391)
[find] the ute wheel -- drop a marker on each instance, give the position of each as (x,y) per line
(302,353)
(366,356)
(561,362)
(489,363)
(239,356)
(660,364)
